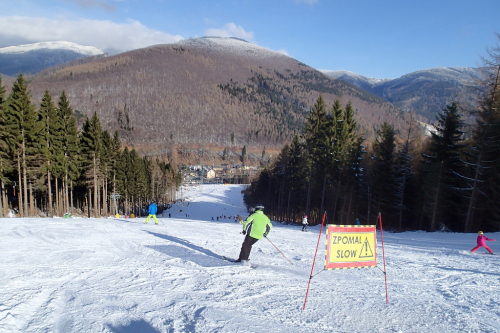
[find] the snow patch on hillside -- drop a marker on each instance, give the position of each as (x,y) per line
(56,45)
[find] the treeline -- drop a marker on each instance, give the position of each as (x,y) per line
(50,167)
(450,181)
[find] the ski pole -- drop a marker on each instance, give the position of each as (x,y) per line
(278,250)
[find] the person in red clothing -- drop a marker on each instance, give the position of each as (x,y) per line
(481,241)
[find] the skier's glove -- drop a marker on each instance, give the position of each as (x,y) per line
(265,235)
(244,232)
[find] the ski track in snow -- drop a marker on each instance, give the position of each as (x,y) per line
(121,275)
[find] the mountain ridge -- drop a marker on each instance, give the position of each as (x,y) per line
(33,58)
(200,91)
(425,91)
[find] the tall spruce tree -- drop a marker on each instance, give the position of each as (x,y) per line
(70,163)
(403,173)
(297,177)
(50,134)
(91,145)
(5,147)
(20,118)
(484,178)
(347,153)
(442,182)
(316,139)
(116,170)
(383,179)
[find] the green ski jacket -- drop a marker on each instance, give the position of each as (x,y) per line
(257,225)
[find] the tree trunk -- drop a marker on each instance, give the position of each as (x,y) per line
(19,191)
(57,208)
(349,207)
(71,206)
(401,205)
(49,192)
(308,203)
(472,201)
(89,200)
(323,194)
(31,208)
(96,189)
(25,181)
(434,213)
(2,201)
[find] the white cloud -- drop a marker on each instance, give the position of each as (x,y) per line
(284,52)
(105,35)
(230,30)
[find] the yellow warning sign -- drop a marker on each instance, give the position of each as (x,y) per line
(350,246)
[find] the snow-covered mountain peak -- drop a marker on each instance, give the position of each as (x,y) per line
(341,73)
(55,45)
(232,45)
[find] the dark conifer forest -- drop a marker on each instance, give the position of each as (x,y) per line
(447,181)
(49,167)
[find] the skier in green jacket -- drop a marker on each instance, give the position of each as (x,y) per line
(255,227)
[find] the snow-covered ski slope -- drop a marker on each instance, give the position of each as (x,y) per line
(121,275)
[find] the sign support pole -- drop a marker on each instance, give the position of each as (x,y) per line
(314,260)
(383,256)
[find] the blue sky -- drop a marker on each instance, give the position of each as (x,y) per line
(375,38)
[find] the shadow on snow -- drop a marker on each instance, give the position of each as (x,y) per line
(189,251)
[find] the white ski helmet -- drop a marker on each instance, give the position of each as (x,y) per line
(259,207)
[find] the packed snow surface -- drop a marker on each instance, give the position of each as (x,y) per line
(122,275)
(57,45)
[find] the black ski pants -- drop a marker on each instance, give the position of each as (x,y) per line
(246,247)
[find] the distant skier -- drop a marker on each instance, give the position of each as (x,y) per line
(357,221)
(152,212)
(481,241)
(304,223)
(255,227)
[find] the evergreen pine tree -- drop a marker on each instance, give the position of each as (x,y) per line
(297,177)
(484,179)
(5,148)
(50,134)
(243,155)
(383,172)
(91,145)
(442,182)
(70,164)
(317,145)
(20,125)
(116,170)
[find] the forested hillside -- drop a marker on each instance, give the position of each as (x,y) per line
(450,182)
(206,92)
(50,167)
(423,92)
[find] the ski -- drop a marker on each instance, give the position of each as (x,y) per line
(228,259)
(236,262)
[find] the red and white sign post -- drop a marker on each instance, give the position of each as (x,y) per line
(350,246)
